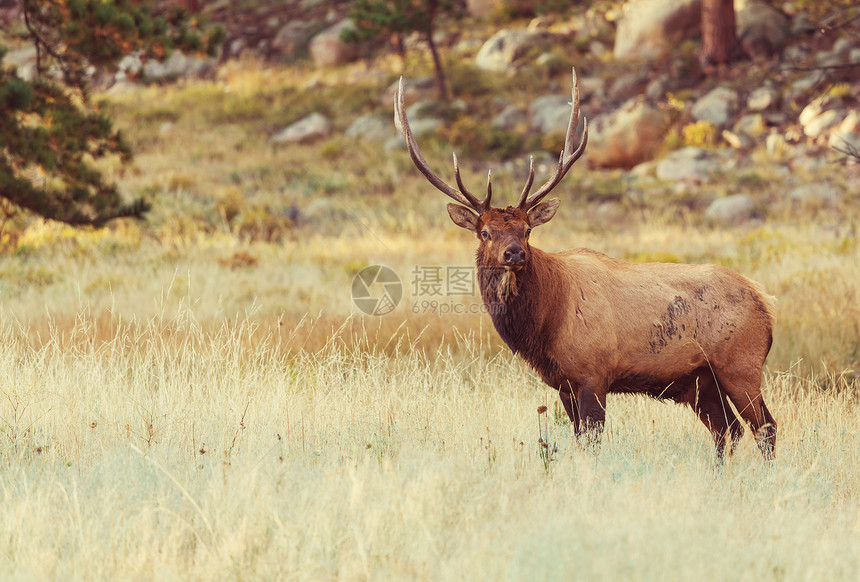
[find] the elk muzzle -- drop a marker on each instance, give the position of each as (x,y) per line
(514,256)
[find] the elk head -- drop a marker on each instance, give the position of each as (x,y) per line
(503,233)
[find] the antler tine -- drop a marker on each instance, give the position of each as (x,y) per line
(486,202)
(529,182)
(566,159)
(462,186)
(462,196)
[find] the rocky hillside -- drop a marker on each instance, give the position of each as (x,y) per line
(641,82)
(652,109)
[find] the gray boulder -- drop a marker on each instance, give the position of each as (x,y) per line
(626,86)
(307,129)
(822,194)
(486,8)
(292,38)
(371,127)
(820,115)
(763,31)
(23,61)
(717,106)
(734,209)
(328,49)
(688,164)
(847,135)
(627,136)
(506,46)
(417,89)
(176,66)
(751,125)
(550,113)
(510,118)
(762,99)
(649,29)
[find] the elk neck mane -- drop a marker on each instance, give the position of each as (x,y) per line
(528,319)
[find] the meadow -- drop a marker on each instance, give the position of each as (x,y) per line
(196,397)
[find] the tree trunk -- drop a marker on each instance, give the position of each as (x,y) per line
(437,66)
(719,37)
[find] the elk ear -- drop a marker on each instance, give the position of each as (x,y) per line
(543,212)
(463,217)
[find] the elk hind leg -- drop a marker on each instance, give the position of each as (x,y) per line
(744,390)
(713,409)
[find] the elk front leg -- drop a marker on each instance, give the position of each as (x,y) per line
(565,392)
(591,403)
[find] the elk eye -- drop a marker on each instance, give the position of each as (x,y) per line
(528,231)
(485,235)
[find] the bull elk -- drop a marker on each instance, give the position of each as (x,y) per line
(592,325)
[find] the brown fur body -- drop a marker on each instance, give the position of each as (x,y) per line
(591,325)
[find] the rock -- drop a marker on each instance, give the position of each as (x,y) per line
(486,8)
(830,59)
(762,98)
(821,123)
(775,144)
(737,141)
(328,49)
(422,127)
(763,31)
(23,61)
(627,136)
(419,89)
(550,113)
(847,136)
(717,106)
(751,125)
(802,25)
(309,128)
(506,46)
(176,66)
(690,164)
(821,114)
(597,48)
(805,83)
(510,118)
(292,38)
(649,29)
(591,88)
(129,67)
(236,46)
(734,209)
(658,87)
(371,127)
(844,44)
(815,108)
(644,170)
(626,86)
(426,108)
(815,194)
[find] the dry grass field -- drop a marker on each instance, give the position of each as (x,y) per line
(197,398)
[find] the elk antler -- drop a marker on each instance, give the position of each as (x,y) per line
(463,196)
(565,159)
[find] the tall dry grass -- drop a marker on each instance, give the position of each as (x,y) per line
(166,450)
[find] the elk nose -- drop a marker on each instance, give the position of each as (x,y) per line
(515,255)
